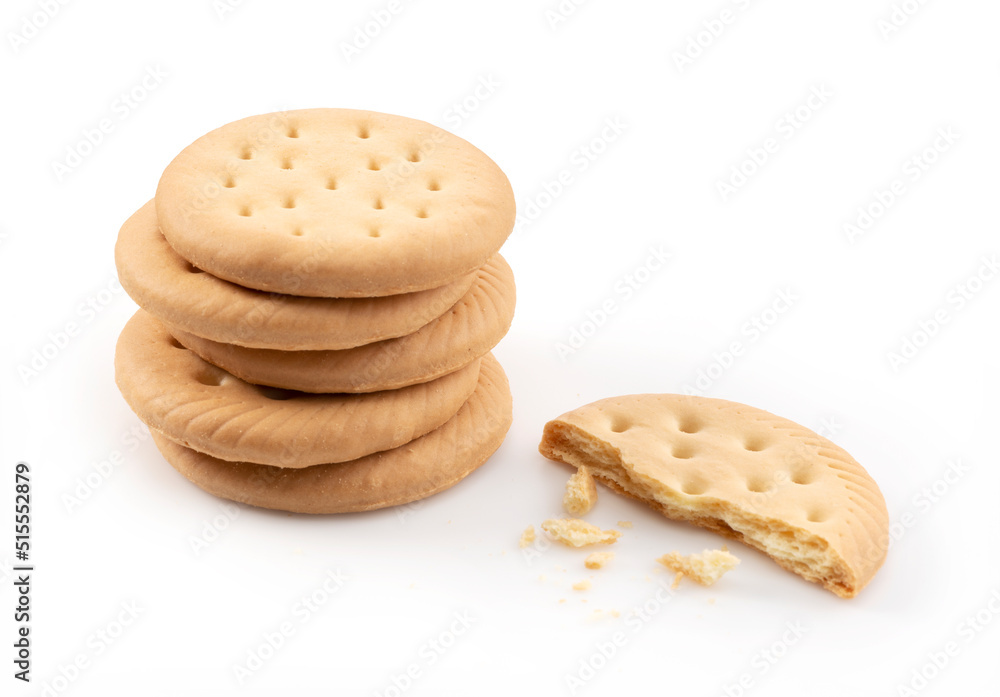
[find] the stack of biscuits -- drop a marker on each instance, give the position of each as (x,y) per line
(320,293)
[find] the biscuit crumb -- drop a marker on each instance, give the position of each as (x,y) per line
(615,613)
(627,524)
(597,560)
(705,568)
(577,533)
(562,600)
(527,537)
(581,493)
(582,585)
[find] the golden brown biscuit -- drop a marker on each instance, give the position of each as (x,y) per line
(200,406)
(175,291)
(334,203)
(423,467)
(470,329)
(737,470)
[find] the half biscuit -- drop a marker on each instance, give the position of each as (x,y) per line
(739,471)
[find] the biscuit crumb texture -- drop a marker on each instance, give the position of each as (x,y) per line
(527,537)
(598,560)
(705,568)
(626,524)
(582,586)
(738,471)
(581,493)
(578,533)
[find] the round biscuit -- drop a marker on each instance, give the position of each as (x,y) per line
(469,330)
(426,466)
(334,203)
(201,406)
(179,293)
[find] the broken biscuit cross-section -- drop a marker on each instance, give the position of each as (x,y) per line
(581,493)
(739,471)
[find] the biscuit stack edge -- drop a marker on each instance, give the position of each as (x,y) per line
(320,293)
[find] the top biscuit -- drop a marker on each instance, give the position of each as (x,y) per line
(334,203)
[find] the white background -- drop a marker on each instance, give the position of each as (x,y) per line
(824,360)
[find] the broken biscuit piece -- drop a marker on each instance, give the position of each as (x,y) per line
(597,560)
(581,493)
(577,533)
(738,471)
(527,537)
(705,568)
